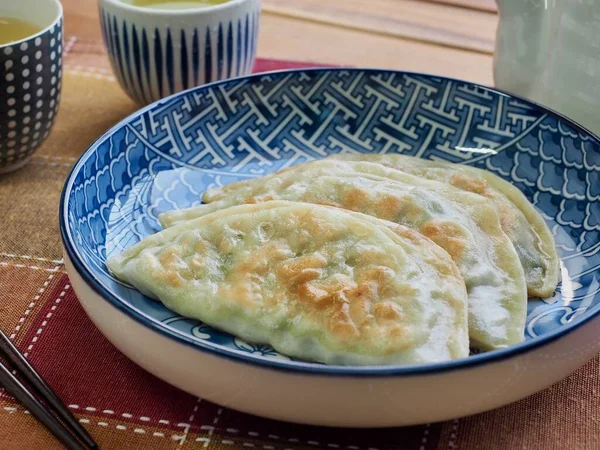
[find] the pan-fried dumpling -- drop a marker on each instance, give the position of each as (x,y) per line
(464,224)
(315,282)
(519,219)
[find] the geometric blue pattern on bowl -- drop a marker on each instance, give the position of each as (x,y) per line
(166,155)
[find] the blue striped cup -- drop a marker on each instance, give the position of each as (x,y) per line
(156,53)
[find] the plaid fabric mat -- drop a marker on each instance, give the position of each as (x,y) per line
(123,406)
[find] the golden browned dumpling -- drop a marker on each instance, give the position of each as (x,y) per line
(524,226)
(315,282)
(462,223)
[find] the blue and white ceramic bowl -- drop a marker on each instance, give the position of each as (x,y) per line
(156,53)
(30,81)
(166,155)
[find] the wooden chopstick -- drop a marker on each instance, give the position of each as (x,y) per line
(14,387)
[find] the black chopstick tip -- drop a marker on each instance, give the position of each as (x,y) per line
(39,410)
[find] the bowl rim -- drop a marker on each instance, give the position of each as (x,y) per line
(305,368)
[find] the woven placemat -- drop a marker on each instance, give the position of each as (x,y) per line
(123,406)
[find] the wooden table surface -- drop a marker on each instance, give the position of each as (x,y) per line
(447,37)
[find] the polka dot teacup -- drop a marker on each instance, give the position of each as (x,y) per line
(30,83)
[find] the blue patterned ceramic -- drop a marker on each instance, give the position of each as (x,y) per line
(166,155)
(156,53)
(31,82)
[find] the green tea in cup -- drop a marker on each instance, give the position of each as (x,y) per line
(176,4)
(13,29)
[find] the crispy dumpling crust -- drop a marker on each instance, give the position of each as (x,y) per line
(315,282)
(462,223)
(524,226)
